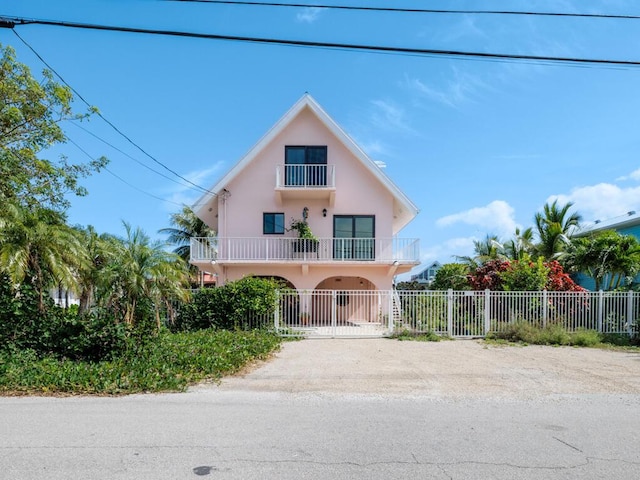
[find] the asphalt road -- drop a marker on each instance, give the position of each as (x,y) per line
(404,421)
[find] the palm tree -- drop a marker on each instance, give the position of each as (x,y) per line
(143,271)
(38,247)
(185,225)
(554,229)
(485,250)
(520,245)
(608,257)
(101,251)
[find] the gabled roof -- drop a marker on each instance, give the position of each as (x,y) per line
(404,209)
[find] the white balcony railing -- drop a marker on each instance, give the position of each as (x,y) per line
(270,249)
(306,176)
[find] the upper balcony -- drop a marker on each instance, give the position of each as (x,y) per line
(308,181)
(287,249)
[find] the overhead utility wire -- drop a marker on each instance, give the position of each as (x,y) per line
(3,23)
(77,125)
(122,179)
(338,46)
(412,10)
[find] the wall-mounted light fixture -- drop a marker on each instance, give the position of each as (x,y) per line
(324,212)
(305,213)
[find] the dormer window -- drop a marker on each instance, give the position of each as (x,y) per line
(305,165)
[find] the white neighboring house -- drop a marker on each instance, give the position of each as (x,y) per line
(63,297)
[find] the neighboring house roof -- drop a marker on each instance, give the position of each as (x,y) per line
(404,209)
(631,219)
(424,272)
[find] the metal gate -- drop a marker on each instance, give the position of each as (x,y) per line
(335,313)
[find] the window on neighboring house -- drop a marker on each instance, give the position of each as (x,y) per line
(273,223)
(305,165)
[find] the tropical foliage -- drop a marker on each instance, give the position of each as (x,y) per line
(610,258)
(547,255)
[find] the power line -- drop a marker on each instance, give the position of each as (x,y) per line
(337,46)
(122,179)
(414,10)
(3,23)
(77,125)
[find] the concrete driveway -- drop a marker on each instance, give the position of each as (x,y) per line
(462,368)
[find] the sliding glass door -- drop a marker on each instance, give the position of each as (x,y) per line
(354,237)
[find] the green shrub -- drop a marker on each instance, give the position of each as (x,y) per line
(232,306)
(55,331)
(167,362)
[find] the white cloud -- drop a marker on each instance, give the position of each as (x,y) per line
(389,116)
(635,175)
(373,148)
(309,15)
(185,193)
(496,218)
(458,90)
(601,201)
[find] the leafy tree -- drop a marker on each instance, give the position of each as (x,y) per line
(451,276)
(554,226)
(609,257)
(485,251)
(30,115)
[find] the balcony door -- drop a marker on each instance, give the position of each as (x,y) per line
(354,237)
(305,166)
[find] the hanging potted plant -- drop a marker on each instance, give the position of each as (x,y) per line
(306,241)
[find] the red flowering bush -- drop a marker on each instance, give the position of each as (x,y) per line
(487,276)
(559,281)
(522,275)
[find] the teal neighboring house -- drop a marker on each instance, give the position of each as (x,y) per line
(427,275)
(628,224)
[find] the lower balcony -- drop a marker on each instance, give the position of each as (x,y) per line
(288,249)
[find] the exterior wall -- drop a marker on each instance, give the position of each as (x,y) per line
(253,193)
(253,190)
(375,278)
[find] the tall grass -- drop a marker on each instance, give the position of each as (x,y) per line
(167,362)
(550,335)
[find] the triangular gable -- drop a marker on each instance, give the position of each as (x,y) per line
(404,209)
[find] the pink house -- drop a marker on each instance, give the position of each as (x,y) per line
(307,169)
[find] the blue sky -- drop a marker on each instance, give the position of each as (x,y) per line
(479,146)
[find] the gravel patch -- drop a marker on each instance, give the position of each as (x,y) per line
(461,368)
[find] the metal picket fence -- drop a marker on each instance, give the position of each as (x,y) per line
(477,313)
(458,314)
